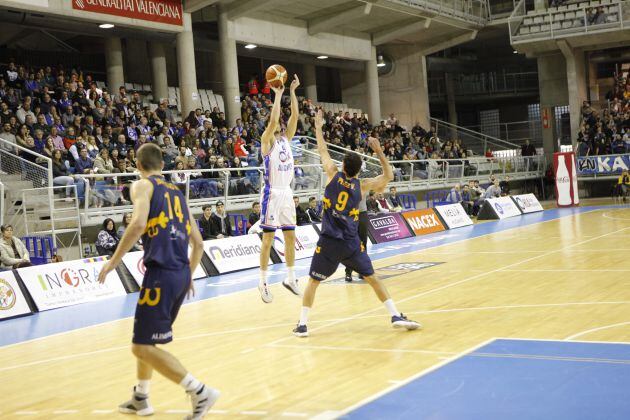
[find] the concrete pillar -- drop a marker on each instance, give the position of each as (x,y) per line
(450,101)
(114,63)
(229,67)
(373,94)
(189,95)
(576,83)
(552,85)
(593,82)
(136,61)
(404,90)
(159,78)
(310,82)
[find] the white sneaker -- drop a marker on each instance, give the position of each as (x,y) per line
(202,400)
(138,404)
(265,293)
(292,286)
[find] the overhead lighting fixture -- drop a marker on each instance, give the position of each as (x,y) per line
(106,26)
(322,57)
(380,61)
(514,52)
(250,46)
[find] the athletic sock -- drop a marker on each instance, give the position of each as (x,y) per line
(291,274)
(143,386)
(304,315)
(189,383)
(389,304)
(263,277)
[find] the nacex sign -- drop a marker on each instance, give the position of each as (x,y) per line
(162,11)
(423,221)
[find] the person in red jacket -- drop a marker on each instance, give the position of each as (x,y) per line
(266,90)
(239,148)
(253,86)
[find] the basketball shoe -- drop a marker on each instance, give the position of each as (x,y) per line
(402,322)
(265,293)
(202,399)
(138,404)
(292,286)
(300,331)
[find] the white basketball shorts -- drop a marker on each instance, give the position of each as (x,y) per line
(277,209)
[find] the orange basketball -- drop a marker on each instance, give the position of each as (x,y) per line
(276,75)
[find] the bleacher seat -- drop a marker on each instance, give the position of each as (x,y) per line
(40,249)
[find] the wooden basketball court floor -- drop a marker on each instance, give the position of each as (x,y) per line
(557,275)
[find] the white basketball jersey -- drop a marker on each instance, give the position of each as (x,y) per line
(279,165)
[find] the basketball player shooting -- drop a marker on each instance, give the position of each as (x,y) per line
(161,216)
(339,241)
(277,207)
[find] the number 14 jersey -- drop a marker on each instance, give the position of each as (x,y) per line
(341,207)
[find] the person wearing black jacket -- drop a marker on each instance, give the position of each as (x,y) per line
(205,222)
(312,213)
(300,215)
(221,225)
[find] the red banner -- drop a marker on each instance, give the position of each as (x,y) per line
(162,11)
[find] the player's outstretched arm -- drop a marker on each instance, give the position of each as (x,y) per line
(293,119)
(380,182)
(267,138)
(329,166)
(141,192)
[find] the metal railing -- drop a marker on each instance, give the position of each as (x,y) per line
(1,203)
(473,140)
(37,168)
(472,11)
(514,132)
(567,20)
(491,83)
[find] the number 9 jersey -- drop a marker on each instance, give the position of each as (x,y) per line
(341,207)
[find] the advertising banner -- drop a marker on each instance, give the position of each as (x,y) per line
(503,207)
(603,165)
(385,227)
(69,283)
(162,11)
(234,253)
(566,179)
(528,203)
(306,238)
(135,265)
(12,301)
(454,215)
(423,221)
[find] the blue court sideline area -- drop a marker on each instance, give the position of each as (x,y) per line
(517,379)
(70,318)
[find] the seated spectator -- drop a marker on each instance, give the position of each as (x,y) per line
(312,212)
(455,196)
(179,178)
(624,184)
(505,186)
(61,174)
(493,191)
(221,225)
(107,239)
(394,202)
(206,223)
(383,205)
(254,216)
(300,215)
(468,203)
(121,231)
(13,253)
(371,203)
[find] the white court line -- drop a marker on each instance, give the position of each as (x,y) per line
(218,412)
(577,270)
(254,413)
(291,414)
(606,215)
(408,380)
(366,349)
(555,340)
(65,411)
(274,272)
(571,337)
(177,411)
(457,283)
(26,413)
(551,358)
(102,411)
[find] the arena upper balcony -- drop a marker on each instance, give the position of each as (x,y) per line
(595,24)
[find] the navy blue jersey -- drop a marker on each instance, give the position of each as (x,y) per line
(165,239)
(341,207)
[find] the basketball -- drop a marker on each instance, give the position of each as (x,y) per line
(276,75)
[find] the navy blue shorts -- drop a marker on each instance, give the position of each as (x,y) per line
(330,252)
(162,294)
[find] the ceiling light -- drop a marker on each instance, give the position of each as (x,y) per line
(106,26)
(322,57)
(514,52)
(250,46)
(380,62)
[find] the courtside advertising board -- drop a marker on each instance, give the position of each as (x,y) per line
(385,227)
(306,238)
(504,207)
(423,221)
(454,215)
(12,301)
(234,253)
(69,283)
(135,264)
(528,203)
